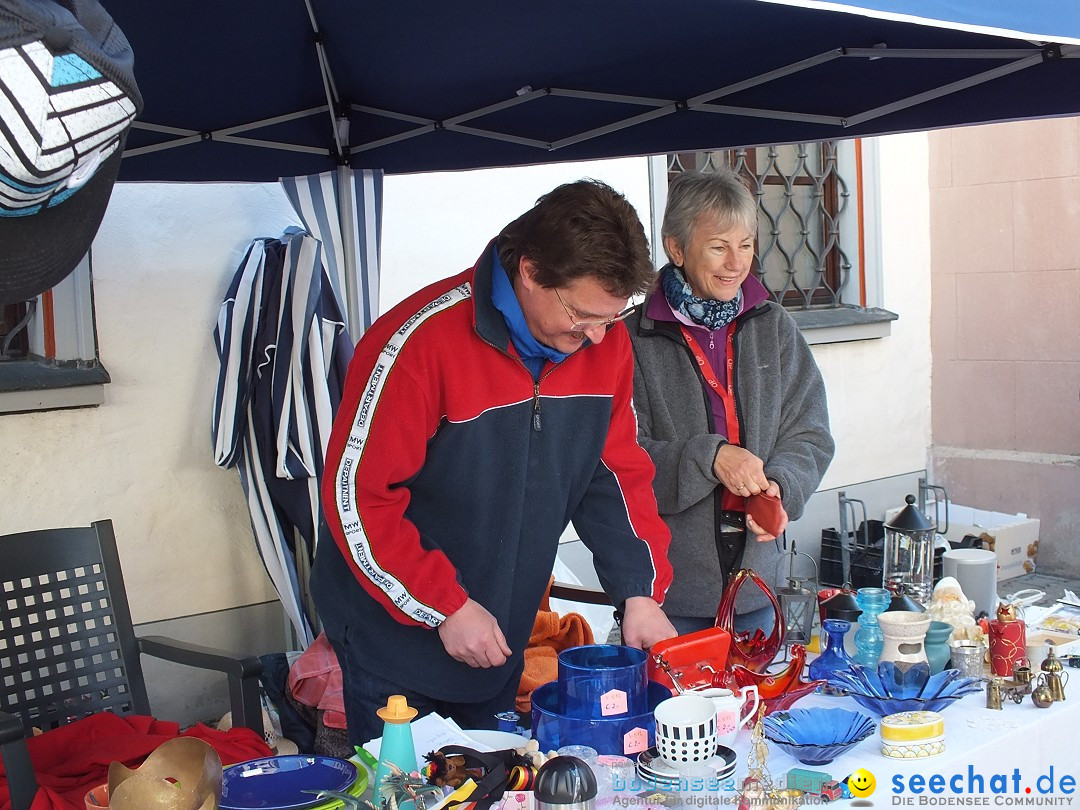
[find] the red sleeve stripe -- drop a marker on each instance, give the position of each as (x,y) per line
(637,534)
(356,538)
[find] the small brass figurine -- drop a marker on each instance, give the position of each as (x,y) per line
(1022,672)
(1041,696)
(993,694)
(1056,685)
(1051,663)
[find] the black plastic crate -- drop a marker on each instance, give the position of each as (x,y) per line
(866,557)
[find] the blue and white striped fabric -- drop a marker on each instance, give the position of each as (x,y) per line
(333,206)
(283,351)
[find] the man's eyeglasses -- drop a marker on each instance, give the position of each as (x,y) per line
(578,325)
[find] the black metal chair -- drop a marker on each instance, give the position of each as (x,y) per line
(68,650)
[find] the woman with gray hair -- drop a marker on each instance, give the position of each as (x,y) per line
(729,400)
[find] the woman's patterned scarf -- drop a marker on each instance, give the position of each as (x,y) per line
(704,312)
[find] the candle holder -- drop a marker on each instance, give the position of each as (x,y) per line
(869,639)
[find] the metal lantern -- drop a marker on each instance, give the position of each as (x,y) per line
(798,602)
(908,567)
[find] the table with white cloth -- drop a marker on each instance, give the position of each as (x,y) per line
(1018,736)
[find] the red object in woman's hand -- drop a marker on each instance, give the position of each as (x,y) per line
(767,512)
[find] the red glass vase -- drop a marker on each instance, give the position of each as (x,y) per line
(753,650)
(778,690)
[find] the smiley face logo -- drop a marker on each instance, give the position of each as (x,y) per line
(861,783)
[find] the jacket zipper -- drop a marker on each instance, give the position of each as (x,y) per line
(536,424)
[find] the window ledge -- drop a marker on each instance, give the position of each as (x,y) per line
(38,385)
(843,324)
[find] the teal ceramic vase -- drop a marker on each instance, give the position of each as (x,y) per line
(938,651)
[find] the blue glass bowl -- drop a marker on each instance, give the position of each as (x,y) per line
(817,736)
(553,729)
(893,688)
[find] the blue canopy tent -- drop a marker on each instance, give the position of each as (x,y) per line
(245,90)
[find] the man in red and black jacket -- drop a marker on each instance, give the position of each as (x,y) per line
(480,416)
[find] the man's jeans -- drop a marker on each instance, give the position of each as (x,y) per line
(366,692)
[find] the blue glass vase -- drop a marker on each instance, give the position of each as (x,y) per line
(868,640)
(835,657)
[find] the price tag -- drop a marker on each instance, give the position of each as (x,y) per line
(635,741)
(613,702)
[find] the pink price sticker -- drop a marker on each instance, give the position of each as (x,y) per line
(613,702)
(635,741)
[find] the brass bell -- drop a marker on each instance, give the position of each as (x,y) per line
(1041,695)
(1051,663)
(993,693)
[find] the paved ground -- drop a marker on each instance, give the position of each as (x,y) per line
(1054,586)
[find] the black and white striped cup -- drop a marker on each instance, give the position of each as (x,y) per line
(686,729)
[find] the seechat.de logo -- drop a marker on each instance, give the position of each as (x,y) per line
(861,783)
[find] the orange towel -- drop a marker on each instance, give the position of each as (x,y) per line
(551,635)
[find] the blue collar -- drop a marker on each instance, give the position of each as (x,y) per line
(532,351)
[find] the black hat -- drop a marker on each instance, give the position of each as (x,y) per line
(67,99)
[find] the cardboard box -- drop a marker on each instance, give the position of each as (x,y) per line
(1013,538)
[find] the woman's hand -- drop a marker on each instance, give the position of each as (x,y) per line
(759,533)
(740,470)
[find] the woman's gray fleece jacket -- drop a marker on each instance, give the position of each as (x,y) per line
(783,419)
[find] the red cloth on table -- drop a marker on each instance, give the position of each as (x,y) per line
(315,680)
(72,759)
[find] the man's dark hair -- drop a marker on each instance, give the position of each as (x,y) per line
(581,230)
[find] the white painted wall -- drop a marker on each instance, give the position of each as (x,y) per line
(435,225)
(879,390)
(162,262)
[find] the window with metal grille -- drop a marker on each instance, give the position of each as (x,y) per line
(802,198)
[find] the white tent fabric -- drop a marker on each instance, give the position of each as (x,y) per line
(283,340)
(343,210)
(283,352)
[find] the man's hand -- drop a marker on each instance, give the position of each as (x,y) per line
(472,636)
(759,533)
(740,470)
(644,623)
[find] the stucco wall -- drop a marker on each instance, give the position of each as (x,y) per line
(1006,328)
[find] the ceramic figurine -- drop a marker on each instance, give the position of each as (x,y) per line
(949,605)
